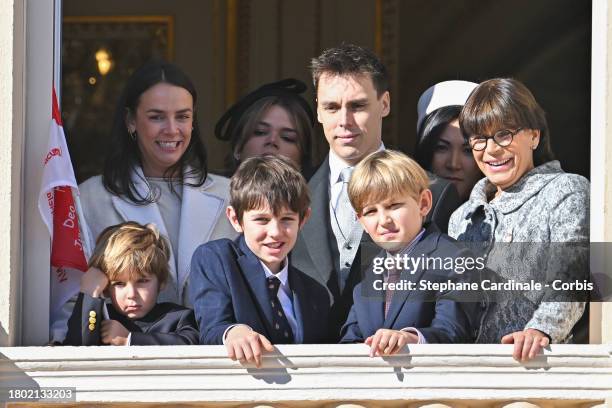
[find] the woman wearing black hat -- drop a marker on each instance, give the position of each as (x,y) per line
(273,119)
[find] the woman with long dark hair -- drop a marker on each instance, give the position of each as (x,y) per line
(155,171)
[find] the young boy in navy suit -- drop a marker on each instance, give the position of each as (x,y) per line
(245,293)
(390,195)
(130,265)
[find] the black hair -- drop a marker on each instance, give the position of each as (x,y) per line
(124,155)
(350,59)
(430,130)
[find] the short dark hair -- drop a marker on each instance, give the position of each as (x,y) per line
(430,130)
(505,103)
(124,155)
(350,59)
(268,180)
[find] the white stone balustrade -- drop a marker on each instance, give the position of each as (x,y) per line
(317,376)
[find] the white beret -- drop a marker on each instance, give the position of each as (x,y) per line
(447,93)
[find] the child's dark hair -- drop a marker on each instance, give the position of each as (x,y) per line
(268,180)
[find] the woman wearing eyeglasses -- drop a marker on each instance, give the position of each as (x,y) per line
(529,214)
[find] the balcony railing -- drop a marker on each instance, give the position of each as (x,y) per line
(316,375)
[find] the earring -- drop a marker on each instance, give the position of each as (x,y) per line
(132,135)
(237,156)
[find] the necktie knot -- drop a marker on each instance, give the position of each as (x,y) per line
(345,174)
(273,284)
(393,275)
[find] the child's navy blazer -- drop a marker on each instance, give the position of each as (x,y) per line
(166,324)
(439,316)
(228,286)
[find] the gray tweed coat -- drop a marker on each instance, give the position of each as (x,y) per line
(520,230)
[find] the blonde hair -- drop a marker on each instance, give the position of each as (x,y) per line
(131,247)
(384,174)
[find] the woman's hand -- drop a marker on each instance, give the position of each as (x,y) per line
(114,333)
(246,345)
(527,343)
(386,342)
(93,282)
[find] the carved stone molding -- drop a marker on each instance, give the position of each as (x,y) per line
(318,375)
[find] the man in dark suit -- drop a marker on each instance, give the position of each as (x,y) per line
(245,293)
(352,99)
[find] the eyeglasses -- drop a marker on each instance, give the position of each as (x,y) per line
(502,138)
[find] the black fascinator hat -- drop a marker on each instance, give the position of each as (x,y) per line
(289,88)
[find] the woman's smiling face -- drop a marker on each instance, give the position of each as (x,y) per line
(162,123)
(504,166)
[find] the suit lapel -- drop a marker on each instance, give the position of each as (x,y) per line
(374,300)
(305,308)
(199,214)
(318,226)
(428,244)
(256,277)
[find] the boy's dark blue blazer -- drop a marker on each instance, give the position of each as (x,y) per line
(227,285)
(166,324)
(439,316)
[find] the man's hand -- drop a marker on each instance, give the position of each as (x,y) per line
(114,333)
(93,282)
(245,345)
(386,342)
(527,343)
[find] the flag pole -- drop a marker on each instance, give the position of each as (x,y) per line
(57,86)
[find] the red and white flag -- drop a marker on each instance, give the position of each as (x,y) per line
(59,212)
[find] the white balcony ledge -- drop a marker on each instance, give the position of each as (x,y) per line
(565,375)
